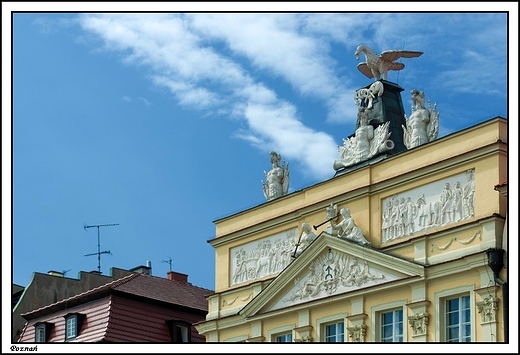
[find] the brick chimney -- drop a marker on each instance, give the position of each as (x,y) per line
(177,276)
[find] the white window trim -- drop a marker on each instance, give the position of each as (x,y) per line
(375,318)
(37,328)
(335,318)
(67,337)
(440,298)
(273,333)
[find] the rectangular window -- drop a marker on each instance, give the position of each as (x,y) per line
(458,321)
(392,326)
(181,334)
(335,333)
(284,338)
(40,334)
(71,328)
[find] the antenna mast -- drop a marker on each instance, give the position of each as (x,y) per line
(169,261)
(99,252)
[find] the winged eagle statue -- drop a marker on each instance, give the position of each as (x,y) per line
(377,66)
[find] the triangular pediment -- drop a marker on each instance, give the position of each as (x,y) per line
(331,266)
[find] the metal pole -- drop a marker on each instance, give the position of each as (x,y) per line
(98,252)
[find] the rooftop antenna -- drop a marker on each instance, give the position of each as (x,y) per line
(169,261)
(65,271)
(99,252)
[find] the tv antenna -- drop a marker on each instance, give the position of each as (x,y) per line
(99,252)
(169,261)
(65,271)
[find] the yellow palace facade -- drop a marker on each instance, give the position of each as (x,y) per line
(430,272)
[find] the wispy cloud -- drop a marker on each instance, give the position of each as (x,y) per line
(211,62)
(145,101)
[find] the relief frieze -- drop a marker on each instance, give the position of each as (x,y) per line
(261,258)
(437,204)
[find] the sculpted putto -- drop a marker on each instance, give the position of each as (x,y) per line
(423,125)
(377,66)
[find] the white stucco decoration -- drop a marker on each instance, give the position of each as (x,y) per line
(366,143)
(368,95)
(277,179)
(423,125)
(437,204)
(264,257)
(333,273)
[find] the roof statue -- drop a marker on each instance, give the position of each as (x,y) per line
(423,125)
(368,95)
(377,66)
(347,228)
(366,143)
(277,179)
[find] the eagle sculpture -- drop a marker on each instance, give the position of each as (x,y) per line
(379,65)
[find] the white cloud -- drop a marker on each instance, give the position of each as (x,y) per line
(216,62)
(145,101)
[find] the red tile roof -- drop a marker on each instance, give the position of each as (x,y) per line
(135,308)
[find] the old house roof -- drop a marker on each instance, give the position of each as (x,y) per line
(133,308)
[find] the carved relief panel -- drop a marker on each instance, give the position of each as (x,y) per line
(332,273)
(261,258)
(437,204)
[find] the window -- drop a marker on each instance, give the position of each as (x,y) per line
(73,322)
(71,327)
(458,321)
(335,333)
(41,332)
(284,338)
(392,326)
(180,331)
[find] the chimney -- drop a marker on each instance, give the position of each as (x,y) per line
(177,276)
(149,264)
(141,269)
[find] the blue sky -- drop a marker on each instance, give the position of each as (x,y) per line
(163,122)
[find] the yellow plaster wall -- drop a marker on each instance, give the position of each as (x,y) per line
(353,190)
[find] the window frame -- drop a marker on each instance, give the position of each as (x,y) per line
(78,321)
(460,324)
(440,310)
(46,327)
(337,326)
(394,324)
(68,318)
(286,329)
(284,336)
(378,310)
(185,329)
(323,322)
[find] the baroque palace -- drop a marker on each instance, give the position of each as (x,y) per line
(406,243)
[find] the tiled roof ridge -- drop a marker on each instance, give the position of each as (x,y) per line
(179,282)
(108,285)
(192,285)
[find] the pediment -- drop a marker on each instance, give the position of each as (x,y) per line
(331,266)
